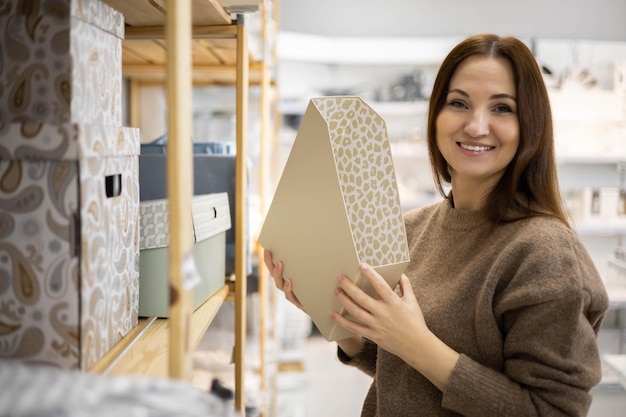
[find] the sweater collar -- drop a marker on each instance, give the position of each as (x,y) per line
(458,219)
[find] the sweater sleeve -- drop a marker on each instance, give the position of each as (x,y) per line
(365,359)
(549,310)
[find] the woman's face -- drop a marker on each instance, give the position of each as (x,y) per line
(478,127)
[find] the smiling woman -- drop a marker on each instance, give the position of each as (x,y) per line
(496,89)
(500,305)
(478,128)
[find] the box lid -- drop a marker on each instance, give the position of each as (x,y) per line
(47,141)
(210,215)
(92,12)
(100,14)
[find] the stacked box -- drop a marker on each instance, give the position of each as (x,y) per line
(69,241)
(69,190)
(60,62)
(210,216)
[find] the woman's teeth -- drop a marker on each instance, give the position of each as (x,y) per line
(475,148)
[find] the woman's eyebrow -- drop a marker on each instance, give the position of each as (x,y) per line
(503,95)
(495,96)
(459,91)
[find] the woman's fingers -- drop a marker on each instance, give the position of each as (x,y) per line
(290,296)
(379,284)
(360,297)
(406,289)
(276,270)
(285,285)
(267,258)
(354,308)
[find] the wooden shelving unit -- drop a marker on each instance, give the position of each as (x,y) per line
(145,349)
(213,47)
(181,43)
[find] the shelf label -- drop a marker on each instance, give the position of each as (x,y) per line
(191,277)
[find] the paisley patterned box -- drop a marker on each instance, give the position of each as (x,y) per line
(69,241)
(336,205)
(60,62)
(210,215)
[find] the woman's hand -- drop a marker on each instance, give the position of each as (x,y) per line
(387,321)
(396,324)
(285,285)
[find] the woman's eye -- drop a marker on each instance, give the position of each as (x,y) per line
(503,108)
(457,104)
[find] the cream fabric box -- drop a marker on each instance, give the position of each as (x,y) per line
(61,62)
(69,241)
(336,205)
(210,216)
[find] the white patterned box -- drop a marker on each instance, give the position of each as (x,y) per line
(60,62)
(210,215)
(336,205)
(69,241)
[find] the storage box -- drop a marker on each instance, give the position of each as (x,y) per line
(211,218)
(211,174)
(61,62)
(336,205)
(69,241)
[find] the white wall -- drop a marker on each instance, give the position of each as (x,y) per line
(559,19)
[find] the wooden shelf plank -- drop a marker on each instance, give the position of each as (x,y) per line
(145,350)
(152,12)
(201,75)
(197,32)
(213,33)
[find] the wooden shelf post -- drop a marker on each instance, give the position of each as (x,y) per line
(179,183)
(241,232)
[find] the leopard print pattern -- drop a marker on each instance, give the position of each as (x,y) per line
(367,177)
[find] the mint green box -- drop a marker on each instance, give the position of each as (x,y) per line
(211,219)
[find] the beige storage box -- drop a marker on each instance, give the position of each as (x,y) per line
(61,62)
(69,241)
(336,205)
(210,215)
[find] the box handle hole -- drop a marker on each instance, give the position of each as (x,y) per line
(113,185)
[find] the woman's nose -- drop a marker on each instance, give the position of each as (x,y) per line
(478,124)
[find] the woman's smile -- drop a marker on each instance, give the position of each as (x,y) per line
(475,149)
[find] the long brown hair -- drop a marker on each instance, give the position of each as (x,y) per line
(529,185)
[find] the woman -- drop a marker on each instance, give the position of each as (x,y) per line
(498,312)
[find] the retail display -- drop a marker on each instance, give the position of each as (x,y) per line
(336,205)
(70,193)
(220,56)
(211,218)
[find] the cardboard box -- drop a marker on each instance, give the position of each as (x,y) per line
(69,241)
(61,62)
(211,218)
(336,205)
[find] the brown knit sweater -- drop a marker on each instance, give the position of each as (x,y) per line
(521,302)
